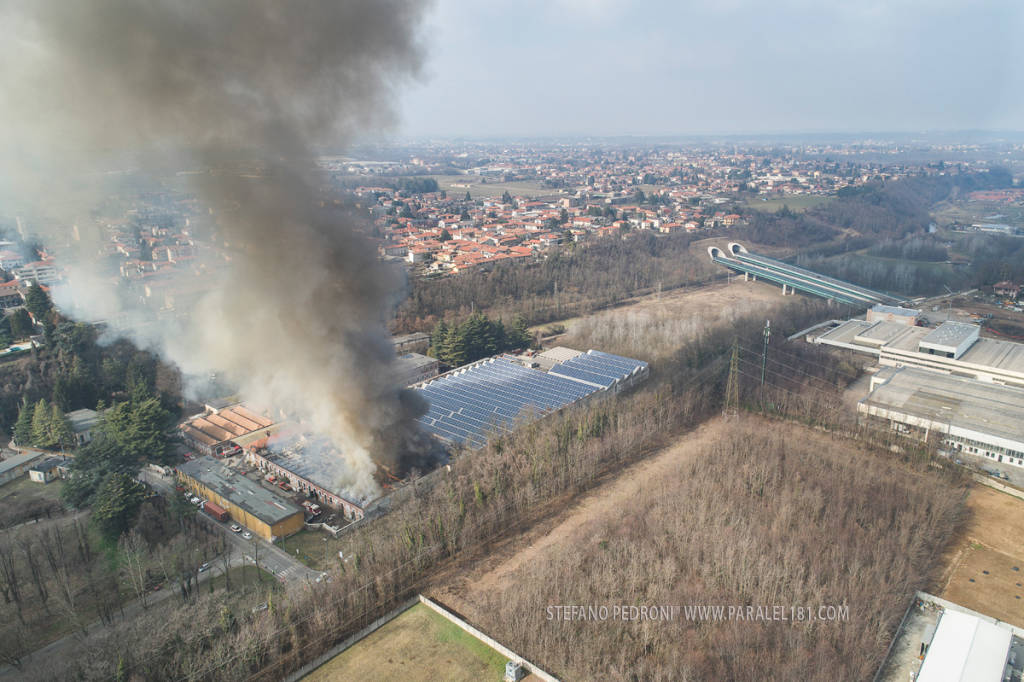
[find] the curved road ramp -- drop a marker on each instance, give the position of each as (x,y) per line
(736,257)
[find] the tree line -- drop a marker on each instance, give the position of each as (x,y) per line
(573,279)
(43,426)
(477,337)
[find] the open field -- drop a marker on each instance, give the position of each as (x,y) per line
(458,185)
(25,490)
(24,500)
(255,579)
(795,203)
(315,548)
(993,541)
(640,326)
(417,645)
(969,212)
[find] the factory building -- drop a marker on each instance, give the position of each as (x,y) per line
(470,404)
(415,367)
(965,415)
(889,313)
(416,342)
(966,647)
(223,429)
(951,348)
(309,464)
(259,509)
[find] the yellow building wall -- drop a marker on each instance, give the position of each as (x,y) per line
(284,528)
(293,524)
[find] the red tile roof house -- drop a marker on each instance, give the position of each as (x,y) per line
(1007,289)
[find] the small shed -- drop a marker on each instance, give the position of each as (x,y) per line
(46,470)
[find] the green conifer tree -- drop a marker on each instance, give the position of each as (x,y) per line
(41,421)
(23,426)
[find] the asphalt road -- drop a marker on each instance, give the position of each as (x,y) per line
(77,644)
(270,558)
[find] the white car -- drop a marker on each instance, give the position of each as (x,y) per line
(235,528)
(205,567)
(247,535)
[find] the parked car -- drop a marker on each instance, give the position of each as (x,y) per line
(247,535)
(197,500)
(205,567)
(260,607)
(283,485)
(235,528)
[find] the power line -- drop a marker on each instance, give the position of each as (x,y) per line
(797,369)
(834,393)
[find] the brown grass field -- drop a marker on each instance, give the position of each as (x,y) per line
(993,541)
(417,645)
(671,318)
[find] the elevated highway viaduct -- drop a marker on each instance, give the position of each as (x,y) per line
(792,278)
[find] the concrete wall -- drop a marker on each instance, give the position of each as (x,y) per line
(351,641)
(497,646)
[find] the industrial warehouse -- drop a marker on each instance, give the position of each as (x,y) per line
(259,509)
(225,427)
(308,463)
(491,396)
(951,348)
(966,415)
(941,641)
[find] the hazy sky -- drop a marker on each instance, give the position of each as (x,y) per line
(552,67)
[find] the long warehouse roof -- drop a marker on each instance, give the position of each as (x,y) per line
(469,404)
(966,403)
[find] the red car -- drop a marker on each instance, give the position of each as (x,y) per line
(283,485)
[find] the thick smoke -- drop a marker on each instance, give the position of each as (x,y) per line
(295,304)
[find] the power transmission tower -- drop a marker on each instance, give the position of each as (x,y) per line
(732,385)
(764,351)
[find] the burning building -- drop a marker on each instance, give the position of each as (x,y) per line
(309,464)
(224,429)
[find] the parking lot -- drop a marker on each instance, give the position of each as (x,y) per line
(1012,474)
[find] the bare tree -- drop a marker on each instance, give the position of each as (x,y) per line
(225,559)
(134,552)
(35,570)
(10,582)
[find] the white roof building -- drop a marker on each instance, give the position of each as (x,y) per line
(950,348)
(966,649)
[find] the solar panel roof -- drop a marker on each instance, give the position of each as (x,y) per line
(468,405)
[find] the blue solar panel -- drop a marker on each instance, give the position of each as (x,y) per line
(493,395)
